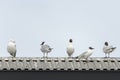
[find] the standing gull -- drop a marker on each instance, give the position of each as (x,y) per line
(107,49)
(86,54)
(70,48)
(11,48)
(45,49)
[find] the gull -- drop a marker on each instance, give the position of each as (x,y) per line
(107,49)
(70,48)
(45,49)
(86,54)
(11,48)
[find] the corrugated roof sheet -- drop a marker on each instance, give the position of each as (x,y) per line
(58,63)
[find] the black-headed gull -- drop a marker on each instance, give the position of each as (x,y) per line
(11,48)
(45,49)
(107,49)
(70,48)
(86,54)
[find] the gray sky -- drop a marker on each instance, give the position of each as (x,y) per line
(87,22)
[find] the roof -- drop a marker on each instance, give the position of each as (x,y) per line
(59,63)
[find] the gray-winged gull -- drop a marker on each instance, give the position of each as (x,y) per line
(107,49)
(86,54)
(45,49)
(11,48)
(70,48)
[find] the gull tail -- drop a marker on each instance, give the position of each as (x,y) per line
(113,48)
(80,56)
(76,57)
(50,48)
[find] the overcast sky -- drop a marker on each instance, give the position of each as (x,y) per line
(87,22)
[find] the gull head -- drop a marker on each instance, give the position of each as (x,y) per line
(91,48)
(42,43)
(106,43)
(12,40)
(70,40)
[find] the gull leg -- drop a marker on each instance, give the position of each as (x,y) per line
(109,55)
(87,60)
(43,55)
(46,55)
(69,57)
(105,55)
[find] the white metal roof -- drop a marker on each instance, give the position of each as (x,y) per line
(58,63)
